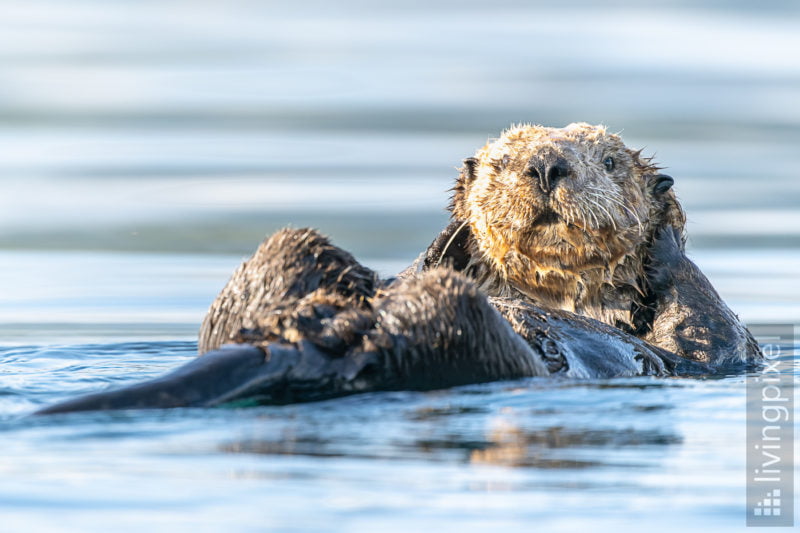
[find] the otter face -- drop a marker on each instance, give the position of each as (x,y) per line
(556,202)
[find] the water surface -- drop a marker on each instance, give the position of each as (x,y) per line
(147,147)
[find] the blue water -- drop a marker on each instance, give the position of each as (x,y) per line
(147,147)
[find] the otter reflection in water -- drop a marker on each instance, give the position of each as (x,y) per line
(564,257)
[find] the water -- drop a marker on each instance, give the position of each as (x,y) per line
(147,147)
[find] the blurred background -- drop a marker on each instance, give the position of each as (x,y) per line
(148,146)
(198,127)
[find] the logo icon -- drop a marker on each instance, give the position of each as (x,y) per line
(769,506)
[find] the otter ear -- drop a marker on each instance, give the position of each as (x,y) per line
(468,170)
(666,204)
(465,177)
(661,183)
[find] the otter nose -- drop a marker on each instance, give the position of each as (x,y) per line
(548,172)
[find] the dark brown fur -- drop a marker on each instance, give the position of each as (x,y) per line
(294,279)
(299,287)
(572,219)
(539,225)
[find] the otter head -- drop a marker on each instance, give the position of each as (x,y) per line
(555,211)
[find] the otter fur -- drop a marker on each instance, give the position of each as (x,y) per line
(564,257)
(324,326)
(572,219)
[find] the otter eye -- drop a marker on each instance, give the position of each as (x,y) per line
(609,163)
(506,159)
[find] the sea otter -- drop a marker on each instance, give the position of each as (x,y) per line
(571,219)
(564,256)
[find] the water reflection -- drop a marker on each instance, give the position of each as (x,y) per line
(513,446)
(504,445)
(473,427)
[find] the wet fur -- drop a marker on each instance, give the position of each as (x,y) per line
(608,244)
(579,248)
(312,323)
(299,288)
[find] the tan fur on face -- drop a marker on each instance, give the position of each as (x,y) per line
(578,247)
